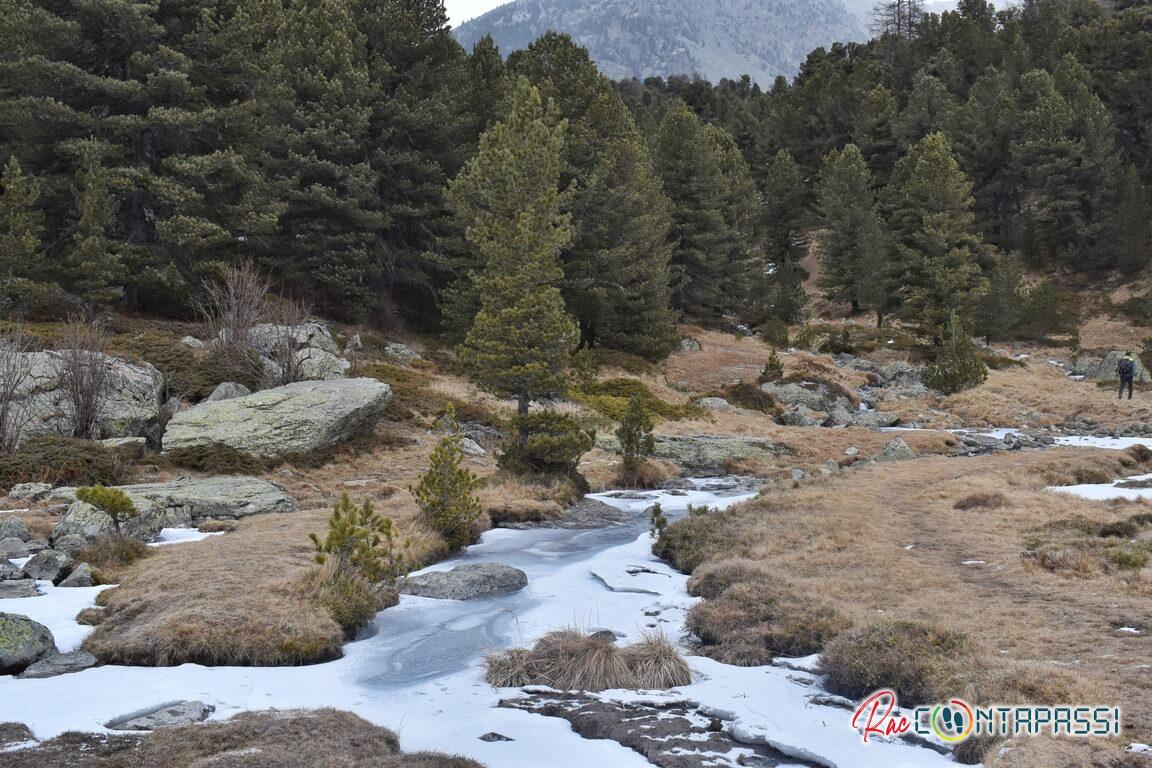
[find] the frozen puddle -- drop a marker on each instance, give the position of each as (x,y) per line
(420,672)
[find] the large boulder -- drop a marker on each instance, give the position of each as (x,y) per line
(86,521)
(48,565)
(894,450)
(877,419)
(794,395)
(23,642)
(14,589)
(13,547)
(295,418)
(9,572)
(1104,369)
(13,527)
(81,576)
(179,503)
(466,582)
(797,417)
(30,491)
(132,397)
(269,339)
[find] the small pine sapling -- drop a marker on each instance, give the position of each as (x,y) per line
(773,369)
(361,541)
(657,521)
(111,501)
(445,494)
(635,436)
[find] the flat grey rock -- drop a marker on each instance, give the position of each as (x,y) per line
(585,514)
(81,576)
(11,589)
(60,664)
(296,418)
(167,715)
(179,503)
(13,548)
(30,491)
(466,582)
(48,565)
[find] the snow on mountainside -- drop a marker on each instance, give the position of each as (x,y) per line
(712,38)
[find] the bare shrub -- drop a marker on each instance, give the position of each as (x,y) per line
(286,315)
(15,368)
(982,501)
(83,371)
(229,307)
(569,659)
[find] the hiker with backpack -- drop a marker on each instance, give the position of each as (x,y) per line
(1126,370)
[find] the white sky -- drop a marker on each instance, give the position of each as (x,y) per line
(460,11)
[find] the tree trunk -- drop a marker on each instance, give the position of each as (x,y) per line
(522,410)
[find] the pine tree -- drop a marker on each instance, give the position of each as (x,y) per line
(854,249)
(957,365)
(445,493)
(509,201)
(776,281)
(362,543)
(635,436)
(111,501)
(877,282)
(1131,224)
(875,133)
(94,265)
(690,165)
(1001,300)
(930,216)
(21,223)
(744,220)
(930,109)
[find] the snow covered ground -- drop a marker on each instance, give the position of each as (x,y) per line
(420,673)
(1106,491)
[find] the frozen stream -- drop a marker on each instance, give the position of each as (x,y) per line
(419,671)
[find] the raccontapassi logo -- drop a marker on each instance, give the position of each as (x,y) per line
(956,720)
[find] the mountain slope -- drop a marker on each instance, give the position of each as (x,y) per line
(712,38)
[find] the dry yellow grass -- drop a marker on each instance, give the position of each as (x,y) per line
(323,738)
(886,542)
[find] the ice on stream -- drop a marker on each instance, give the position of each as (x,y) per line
(420,671)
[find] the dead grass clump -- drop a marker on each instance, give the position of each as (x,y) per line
(351,599)
(646,474)
(90,617)
(1069,561)
(1141,453)
(1090,476)
(982,501)
(1142,518)
(111,554)
(751,622)
(1122,529)
(570,660)
(1129,558)
(693,540)
(923,663)
(322,738)
(712,579)
(216,526)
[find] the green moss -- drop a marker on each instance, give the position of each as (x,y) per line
(610,398)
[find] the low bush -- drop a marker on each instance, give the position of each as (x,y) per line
(90,617)
(61,461)
(921,662)
(774,331)
(111,501)
(982,501)
(749,396)
(411,390)
(347,595)
(749,617)
(957,365)
(773,369)
(1123,529)
(691,540)
(111,553)
(1090,476)
(553,444)
(446,495)
(1129,558)
(571,660)
(214,458)
(190,375)
(610,398)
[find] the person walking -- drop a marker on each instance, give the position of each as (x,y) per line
(1126,370)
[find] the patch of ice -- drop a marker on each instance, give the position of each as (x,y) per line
(974,562)
(181,536)
(1106,491)
(1130,630)
(19,562)
(1137,748)
(55,608)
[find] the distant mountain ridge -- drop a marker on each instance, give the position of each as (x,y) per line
(712,38)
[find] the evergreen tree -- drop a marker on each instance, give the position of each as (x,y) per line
(445,493)
(1001,300)
(776,281)
(875,133)
(635,436)
(957,365)
(930,109)
(689,163)
(877,283)
(853,253)
(1131,224)
(94,266)
(930,216)
(743,219)
(509,201)
(21,223)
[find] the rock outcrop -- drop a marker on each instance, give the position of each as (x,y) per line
(1104,369)
(23,642)
(296,418)
(133,395)
(167,715)
(178,504)
(465,582)
(56,664)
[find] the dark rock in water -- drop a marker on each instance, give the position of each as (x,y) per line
(166,715)
(493,736)
(465,582)
(584,514)
(670,735)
